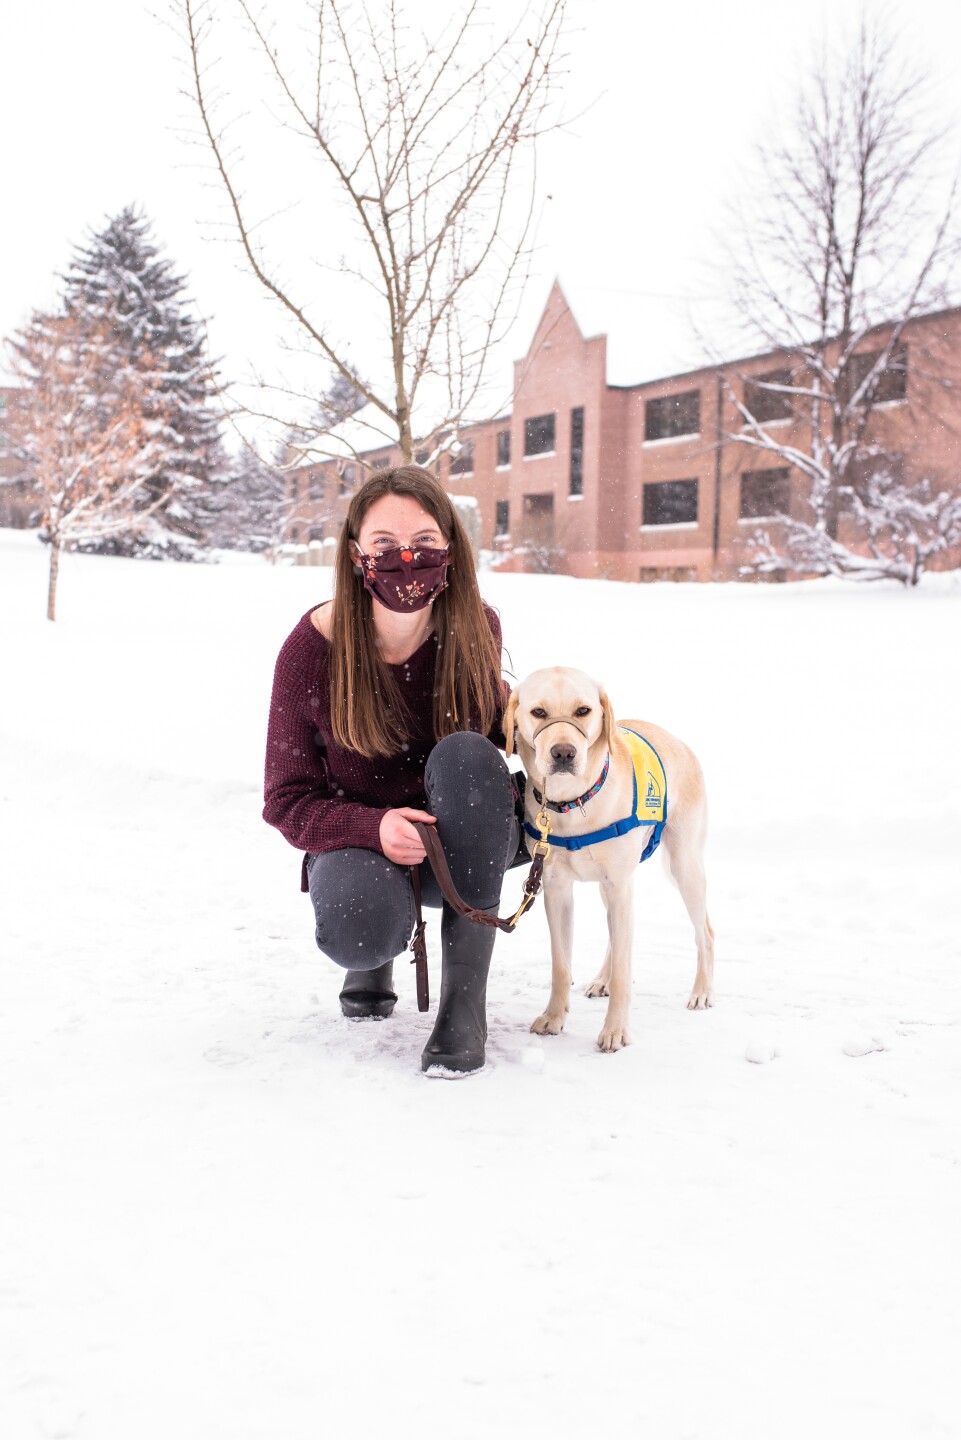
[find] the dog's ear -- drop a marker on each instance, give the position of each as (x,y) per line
(509,717)
(612,735)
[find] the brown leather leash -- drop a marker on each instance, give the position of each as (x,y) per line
(438,863)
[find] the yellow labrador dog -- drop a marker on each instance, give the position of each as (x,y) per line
(586,766)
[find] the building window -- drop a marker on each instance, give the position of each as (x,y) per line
(538,520)
(539,435)
(463,462)
(316,485)
(764,404)
(890,384)
(671,415)
(346,479)
(503,447)
(577,450)
(380,462)
(765,494)
(427,459)
(502,511)
(670,502)
(651,574)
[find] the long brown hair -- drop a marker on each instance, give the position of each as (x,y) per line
(366,706)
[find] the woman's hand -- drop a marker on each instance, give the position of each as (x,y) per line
(399,840)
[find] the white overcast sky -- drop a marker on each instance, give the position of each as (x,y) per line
(92,121)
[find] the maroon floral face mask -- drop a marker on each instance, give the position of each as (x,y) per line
(405,578)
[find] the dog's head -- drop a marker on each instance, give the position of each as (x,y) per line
(556,719)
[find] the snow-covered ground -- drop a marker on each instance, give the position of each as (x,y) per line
(229,1214)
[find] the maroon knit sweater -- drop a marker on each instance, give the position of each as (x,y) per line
(320,796)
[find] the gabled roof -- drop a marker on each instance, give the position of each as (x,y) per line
(639,349)
(649,335)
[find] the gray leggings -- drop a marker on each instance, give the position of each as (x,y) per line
(364,903)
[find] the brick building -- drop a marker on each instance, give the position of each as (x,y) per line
(637,482)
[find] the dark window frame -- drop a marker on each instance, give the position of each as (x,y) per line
(502,517)
(754,483)
(768,405)
(503,449)
(538,431)
(463,462)
(891,386)
(667,417)
(659,495)
(576,473)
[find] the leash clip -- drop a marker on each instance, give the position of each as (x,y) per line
(540,850)
(543,822)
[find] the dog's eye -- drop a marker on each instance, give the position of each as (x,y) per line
(582,710)
(538,713)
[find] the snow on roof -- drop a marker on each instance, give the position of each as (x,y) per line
(362,433)
(650,336)
(367,429)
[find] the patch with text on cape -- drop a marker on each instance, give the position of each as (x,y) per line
(649,807)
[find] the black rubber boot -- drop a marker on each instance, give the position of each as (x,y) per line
(460,1030)
(368,994)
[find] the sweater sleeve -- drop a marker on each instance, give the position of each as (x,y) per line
(298,799)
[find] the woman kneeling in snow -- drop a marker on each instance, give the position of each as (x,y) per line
(386,708)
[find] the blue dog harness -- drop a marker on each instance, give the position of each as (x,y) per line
(649,806)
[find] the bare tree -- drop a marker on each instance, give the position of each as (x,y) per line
(427,143)
(842,249)
(901,528)
(87,423)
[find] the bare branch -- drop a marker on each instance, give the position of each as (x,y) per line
(429,144)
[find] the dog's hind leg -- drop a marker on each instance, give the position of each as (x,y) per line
(685,853)
(559,904)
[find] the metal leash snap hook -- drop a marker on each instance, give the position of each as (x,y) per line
(543,822)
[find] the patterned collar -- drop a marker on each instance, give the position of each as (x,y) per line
(562,806)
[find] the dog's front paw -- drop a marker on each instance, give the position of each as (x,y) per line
(702,998)
(597,987)
(550,1023)
(613,1037)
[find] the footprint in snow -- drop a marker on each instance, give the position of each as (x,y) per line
(220,1055)
(856,1045)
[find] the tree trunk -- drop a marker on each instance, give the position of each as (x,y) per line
(52,583)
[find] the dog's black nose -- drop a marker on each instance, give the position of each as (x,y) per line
(563,754)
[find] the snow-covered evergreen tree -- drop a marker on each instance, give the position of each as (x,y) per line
(248,505)
(120,280)
(303,443)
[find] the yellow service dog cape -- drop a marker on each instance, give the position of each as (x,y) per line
(650,801)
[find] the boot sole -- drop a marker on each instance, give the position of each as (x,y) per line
(452,1064)
(366,1007)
